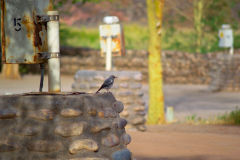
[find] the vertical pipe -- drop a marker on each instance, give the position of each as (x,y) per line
(231,50)
(109,54)
(42,76)
(54,81)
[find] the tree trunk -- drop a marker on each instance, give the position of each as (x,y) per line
(11,71)
(198,24)
(156,100)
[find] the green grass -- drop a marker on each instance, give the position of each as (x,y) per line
(136,37)
(232,118)
(76,37)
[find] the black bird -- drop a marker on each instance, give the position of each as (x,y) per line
(108,83)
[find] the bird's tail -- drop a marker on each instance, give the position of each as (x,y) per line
(99,90)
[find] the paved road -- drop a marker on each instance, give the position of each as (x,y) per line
(187,100)
(30,83)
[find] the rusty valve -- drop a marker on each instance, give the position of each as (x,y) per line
(47,18)
(48,55)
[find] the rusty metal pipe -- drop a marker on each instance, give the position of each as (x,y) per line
(54,77)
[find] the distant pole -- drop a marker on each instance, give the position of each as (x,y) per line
(54,81)
(231,50)
(109,54)
(109,31)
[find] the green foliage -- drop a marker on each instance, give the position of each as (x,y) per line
(231,118)
(218,12)
(84,37)
(59,3)
(208,17)
(23,69)
(136,37)
(215,13)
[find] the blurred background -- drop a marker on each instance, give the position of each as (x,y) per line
(192,61)
(201,80)
(180,23)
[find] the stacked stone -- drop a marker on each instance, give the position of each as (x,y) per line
(62,127)
(93,61)
(127,88)
(70,65)
(178,67)
(186,68)
(225,73)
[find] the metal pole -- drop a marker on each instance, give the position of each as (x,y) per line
(231,50)
(109,54)
(54,81)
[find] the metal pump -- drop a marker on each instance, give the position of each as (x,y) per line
(30,35)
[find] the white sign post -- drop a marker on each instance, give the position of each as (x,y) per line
(109,54)
(226,38)
(111,40)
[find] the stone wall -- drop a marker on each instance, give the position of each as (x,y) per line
(225,73)
(186,68)
(62,127)
(74,60)
(178,67)
(127,88)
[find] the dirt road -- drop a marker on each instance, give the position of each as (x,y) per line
(186,142)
